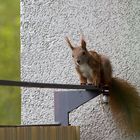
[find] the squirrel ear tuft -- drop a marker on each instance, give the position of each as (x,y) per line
(69,43)
(83,44)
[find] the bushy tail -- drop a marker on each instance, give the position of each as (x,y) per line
(125,104)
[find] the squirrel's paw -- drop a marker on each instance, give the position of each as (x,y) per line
(83,83)
(90,84)
(96,86)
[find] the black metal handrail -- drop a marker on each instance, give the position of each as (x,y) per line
(47,85)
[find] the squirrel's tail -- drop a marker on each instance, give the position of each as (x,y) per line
(125,104)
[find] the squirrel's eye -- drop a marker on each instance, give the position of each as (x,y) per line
(72,55)
(84,53)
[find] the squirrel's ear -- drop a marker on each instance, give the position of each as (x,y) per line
(83,44)
(69,43)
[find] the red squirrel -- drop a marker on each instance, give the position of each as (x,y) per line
(96,69)
(91,67)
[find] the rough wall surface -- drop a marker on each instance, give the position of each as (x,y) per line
(111,27)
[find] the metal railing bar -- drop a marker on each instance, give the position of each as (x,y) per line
(46,85)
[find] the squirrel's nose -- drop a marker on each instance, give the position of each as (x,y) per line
(78,61)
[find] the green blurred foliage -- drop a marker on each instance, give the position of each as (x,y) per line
(10,60)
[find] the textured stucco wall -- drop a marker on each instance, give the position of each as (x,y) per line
(111,27)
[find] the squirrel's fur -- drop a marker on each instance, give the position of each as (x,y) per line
(96,69)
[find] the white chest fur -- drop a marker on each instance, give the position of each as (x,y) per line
(86,71)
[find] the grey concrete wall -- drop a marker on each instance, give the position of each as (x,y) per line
(111,27)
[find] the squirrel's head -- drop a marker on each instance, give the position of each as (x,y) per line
(80,53)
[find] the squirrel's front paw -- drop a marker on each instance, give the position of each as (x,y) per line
(90,84)
(95,85)
(83,83)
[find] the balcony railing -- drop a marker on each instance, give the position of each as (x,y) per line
(64,101)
